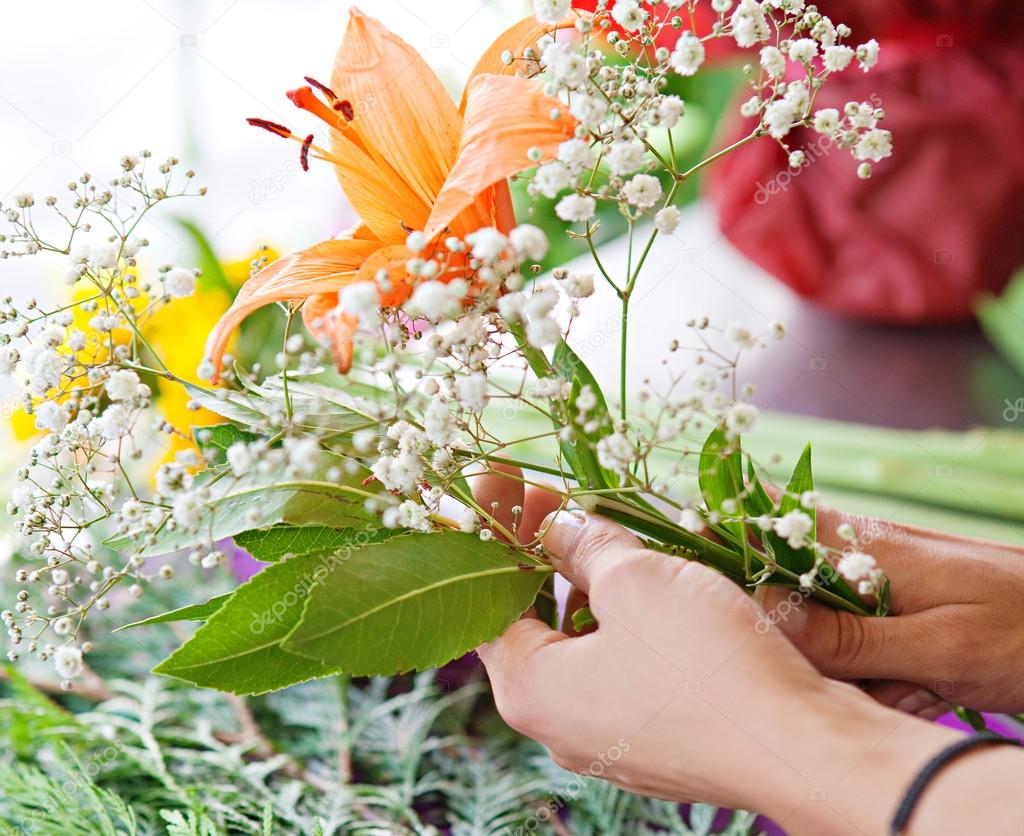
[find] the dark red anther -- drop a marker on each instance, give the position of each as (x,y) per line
(304,153)
(369,480)
(323,88)
(273,127)
(344,107)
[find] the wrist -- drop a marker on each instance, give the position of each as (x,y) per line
(856,758)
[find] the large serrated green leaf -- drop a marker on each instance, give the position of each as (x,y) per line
(239,648)
(273,544)
(414,602)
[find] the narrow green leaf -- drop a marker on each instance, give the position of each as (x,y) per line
(720,476)
(281,541)
(414,602)
(239,648)
(758,501)
(265,500)
(212,275)
(580,454)
(193,612)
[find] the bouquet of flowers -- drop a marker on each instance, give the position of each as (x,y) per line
(428,356)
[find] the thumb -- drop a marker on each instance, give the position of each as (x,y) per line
(847,646)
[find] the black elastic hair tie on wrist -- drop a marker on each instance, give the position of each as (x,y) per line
(933,767)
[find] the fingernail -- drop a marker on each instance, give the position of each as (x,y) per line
(916,701)
(785,609)
(563,517)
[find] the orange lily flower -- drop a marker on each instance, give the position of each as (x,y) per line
(407,158)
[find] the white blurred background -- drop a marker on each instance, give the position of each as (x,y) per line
(84,83)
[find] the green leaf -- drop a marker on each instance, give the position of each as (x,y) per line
(273,544)
(758,501)
(580,454)
(211,274)
(265,500)
(239,649)
(414,602)
(796,560)
(193,612)
(235,406)
(214,441)
(720,476)
(583,618)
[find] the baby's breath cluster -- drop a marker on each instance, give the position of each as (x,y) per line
(84,375)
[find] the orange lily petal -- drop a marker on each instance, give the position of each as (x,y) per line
(515,39)
(323,318)
(402,110)
(324,267)
(382,199)
(505,117)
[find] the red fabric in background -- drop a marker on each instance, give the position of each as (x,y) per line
(940,220)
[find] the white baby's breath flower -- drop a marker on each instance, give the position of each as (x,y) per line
(179,282)
(67,659)
(667,220)
(626,156)
(749,24)
(779,117)
(488,243)
(122,385)
(803,50)
(577,285)
(187,509)
(826,121)
(867,54)
(576,155)
(669,110)
(115,422)
(551,178)
(740,417)
(874,145)
(855,566)
(575,208)
(529,242)
(773,61)
(691,520)
(838,58)
(50,416)
(360,298)
(589,110)
(437,300)
(628,14)
(688,54)
(9,358)
(740,335)
(794,528)
(239,458)
(616,452)
(643,191)
(551,11)
(472,391)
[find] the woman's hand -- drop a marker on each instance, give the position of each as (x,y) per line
(955,632)
(677,694)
